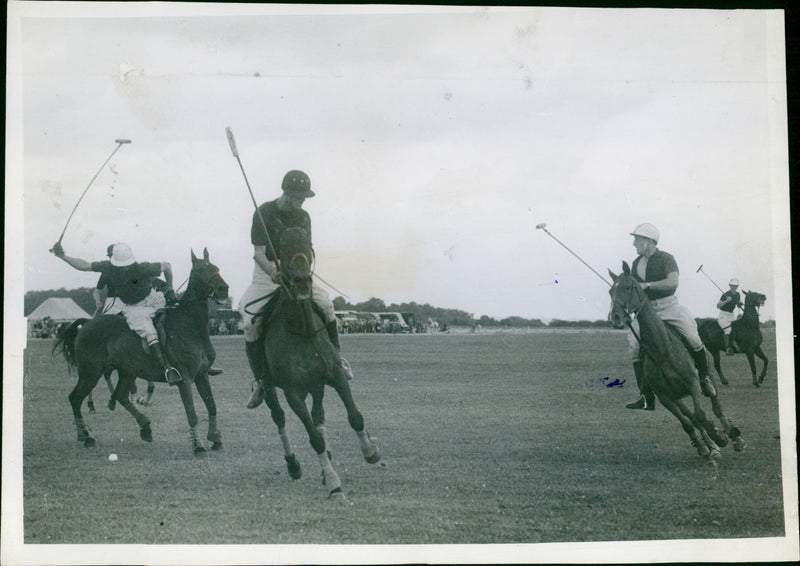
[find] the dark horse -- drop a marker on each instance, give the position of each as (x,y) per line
(104,343)
(745,334)
(668,367)
(301,360)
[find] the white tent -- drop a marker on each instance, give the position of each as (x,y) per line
(57,310)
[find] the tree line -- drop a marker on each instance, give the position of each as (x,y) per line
(451,317)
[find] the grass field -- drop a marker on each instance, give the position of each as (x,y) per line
(486,438)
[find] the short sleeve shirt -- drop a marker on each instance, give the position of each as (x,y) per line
(659,265)
(277,220)
(731,304)
(131,283)
(104,282)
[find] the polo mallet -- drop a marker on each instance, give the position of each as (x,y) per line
(543,227)
(120,143)
(700,269)
(232,143)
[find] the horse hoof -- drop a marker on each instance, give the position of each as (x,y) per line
(739,444)
(111,404)
(215,437)
(199,451)
(146,433)
(373,458)
(89,442)
(293,467)
(337,495)
(216,446)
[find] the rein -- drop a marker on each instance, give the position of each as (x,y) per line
(629,323)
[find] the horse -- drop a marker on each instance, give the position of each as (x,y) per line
(669,368)
(151,387)
(301,360)
(745,335)
(106,342)
(107,376)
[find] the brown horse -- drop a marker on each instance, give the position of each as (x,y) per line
(106,343)
(668,367)
(301,360)
(745,335)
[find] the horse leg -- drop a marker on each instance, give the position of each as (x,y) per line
(318,414)
(185,388)
(698,415)
(145,401)
(751,360)
(331,478)
(90,402)
(122,393)
(369,449)
(688,427)
(76,397)
(279,418)
(204,389)
(731,430)
(715,354)
(760,353)
(712,437)
(112,403)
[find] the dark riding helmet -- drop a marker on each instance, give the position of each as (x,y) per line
(297,184)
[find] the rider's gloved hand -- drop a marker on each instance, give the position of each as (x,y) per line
(171,297)
(58,250)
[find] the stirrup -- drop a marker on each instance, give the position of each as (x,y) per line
(214,371)
(168,372)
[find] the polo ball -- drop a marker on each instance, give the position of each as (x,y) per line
(112,457)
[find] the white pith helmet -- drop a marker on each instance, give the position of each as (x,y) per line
(733,282)
(122,255)
(646,230)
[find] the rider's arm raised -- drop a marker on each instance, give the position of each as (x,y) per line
(77,263)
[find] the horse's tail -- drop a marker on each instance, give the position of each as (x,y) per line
(65,341)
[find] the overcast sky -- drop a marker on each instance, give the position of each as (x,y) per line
(436,141)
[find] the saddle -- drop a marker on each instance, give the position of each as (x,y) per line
(295,325)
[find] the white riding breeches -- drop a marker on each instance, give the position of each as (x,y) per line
(139,316)
(725,319)
(258,294)
(674,315)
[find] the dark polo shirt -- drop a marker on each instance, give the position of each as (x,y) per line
(659,265)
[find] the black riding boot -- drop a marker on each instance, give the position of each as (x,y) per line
(333,334)
(701,363)
(646,399)
(729,344)
(255,356)
(172,375)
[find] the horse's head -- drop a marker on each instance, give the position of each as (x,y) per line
(754,298)
(205,280)
(297,262)
(627,297)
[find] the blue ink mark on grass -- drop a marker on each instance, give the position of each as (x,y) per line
(616,383)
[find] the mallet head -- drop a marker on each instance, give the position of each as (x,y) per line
(699,269)
(122,141)
(541,226)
